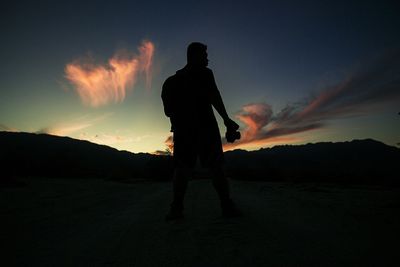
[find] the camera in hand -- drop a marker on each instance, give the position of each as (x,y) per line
(231,135)
(232,132)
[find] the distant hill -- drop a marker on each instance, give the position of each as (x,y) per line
(358,161)
(28,154)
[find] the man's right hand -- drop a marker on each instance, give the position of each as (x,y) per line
(232,132)
(231,125)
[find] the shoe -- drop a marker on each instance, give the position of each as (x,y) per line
(230,210)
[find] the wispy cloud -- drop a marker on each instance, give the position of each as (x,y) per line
(361,93)
(64,129)
(99,85)
(68,128)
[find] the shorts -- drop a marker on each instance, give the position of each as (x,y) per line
(203,144)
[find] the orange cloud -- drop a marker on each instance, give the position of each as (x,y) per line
(146,58)
(255,117)
(372,86)
(99,85)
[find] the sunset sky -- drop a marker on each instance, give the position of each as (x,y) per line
(290,72)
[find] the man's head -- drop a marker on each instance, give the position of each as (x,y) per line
(197,54)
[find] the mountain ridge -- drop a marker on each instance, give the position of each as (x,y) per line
(363,161)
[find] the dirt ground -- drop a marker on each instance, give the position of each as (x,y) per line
(59,222)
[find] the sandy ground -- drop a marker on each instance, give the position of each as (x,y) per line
(55,222)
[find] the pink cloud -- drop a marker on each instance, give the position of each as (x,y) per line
(99,85)
(363,92)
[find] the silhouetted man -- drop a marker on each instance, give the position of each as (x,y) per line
(188,98)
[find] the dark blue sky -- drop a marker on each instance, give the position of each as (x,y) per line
(274,52)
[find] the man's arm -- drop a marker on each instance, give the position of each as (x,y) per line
(218,104)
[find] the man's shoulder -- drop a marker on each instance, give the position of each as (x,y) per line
(170,80)
(208,72)
(175,76)
(185,73)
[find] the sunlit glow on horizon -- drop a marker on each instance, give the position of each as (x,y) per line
(263,143)
(69,128)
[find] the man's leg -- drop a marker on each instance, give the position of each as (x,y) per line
(180,181)
(221,185)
